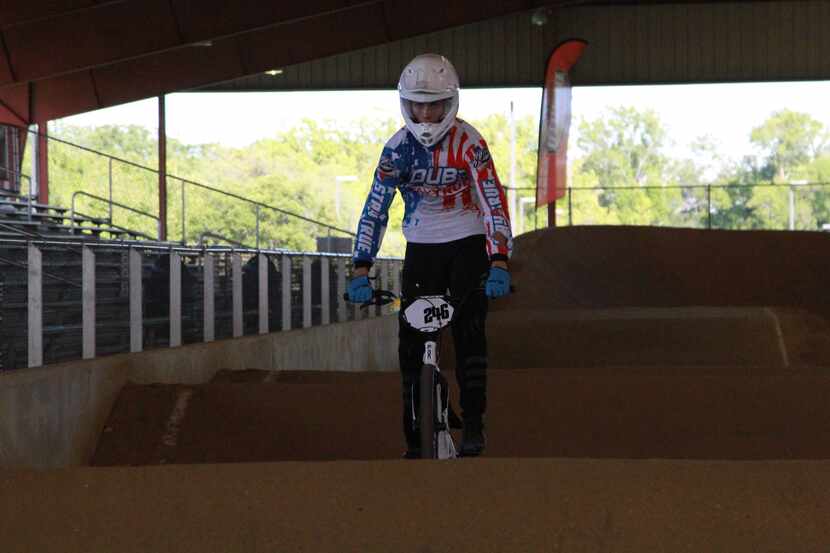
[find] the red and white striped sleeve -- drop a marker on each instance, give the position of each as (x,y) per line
(492,199)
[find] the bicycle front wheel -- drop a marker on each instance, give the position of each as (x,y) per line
(426,412)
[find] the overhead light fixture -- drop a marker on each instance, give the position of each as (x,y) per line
(203,43)
(539,17)
(274,72)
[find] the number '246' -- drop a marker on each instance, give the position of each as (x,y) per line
(434,312)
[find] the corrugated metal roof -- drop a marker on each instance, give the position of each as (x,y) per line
(628,44)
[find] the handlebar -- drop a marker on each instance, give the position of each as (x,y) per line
(379,297)
(385,297)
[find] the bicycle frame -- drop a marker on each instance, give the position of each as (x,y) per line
(430,314)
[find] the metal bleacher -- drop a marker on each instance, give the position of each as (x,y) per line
(85,269)
(60,234)
(21,217)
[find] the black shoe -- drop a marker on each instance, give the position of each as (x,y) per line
(473,438)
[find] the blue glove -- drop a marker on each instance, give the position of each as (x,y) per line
(498,283)
(360,291)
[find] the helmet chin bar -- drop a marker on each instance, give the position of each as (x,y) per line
(430,134)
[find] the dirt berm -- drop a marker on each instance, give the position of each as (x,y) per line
(602,267)
(645,297)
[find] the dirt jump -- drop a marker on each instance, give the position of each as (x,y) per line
(651,390)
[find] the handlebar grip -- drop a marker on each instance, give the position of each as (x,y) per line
(379,297)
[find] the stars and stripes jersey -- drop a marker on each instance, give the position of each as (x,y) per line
(450,191)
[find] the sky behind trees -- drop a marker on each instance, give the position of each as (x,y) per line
(624,172)
(725,112)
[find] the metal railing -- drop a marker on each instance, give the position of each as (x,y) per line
(217,236)
(259,207)
(306,289)
(28,194)
(111,203)
(697,205)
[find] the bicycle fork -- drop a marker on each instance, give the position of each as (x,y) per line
(442,444)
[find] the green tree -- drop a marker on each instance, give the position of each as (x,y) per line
(787,140)
(624,147)
(624,151)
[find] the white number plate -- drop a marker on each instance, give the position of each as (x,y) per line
(429,313)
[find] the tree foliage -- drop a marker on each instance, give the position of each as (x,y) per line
(625,176)
(788,141)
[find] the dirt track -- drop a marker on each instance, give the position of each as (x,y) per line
(682,414)
(623,345)
(475,506)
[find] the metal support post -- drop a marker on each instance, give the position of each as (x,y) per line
(209,321)
(306,291)
(162,135)
(109,205)
(263,266)
(35,301)
(236,268)
(175,299)
(136,313)
(325,294)
(88,302)
(286,292)
(43,162)
(184,214)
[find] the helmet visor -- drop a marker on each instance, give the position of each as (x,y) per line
(428,112)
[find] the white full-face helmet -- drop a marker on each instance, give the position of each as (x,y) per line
(429,78)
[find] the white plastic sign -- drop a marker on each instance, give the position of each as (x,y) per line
(429,313)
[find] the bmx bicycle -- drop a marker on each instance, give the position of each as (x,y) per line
(429,315)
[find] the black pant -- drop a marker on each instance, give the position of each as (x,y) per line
(459,266)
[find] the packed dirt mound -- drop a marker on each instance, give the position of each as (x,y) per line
(227,376)
(643,337)
(806,337)
(569,267)
(532,413)
(465,506)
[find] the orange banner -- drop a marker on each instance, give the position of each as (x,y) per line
(555,122)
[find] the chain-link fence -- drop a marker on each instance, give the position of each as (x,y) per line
(785,206)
